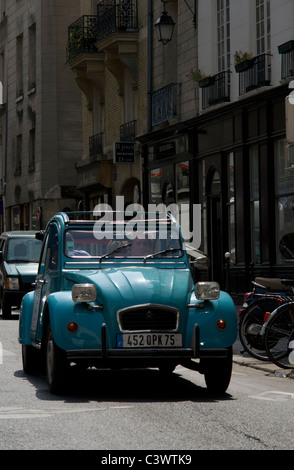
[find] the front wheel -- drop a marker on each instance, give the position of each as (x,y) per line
(250,326)
(6,309)
(31,360)
(217,372)
(56,365)
(279,336)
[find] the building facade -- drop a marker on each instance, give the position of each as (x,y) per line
(105,109)
(206,111)
(40,115)
(107,53)
(233,157)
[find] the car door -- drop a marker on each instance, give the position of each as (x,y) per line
(47,279)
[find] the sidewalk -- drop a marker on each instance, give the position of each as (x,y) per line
(244,359)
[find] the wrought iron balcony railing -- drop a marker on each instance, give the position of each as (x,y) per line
(96,145)
(166,104)
(128,131)
(116,15)
(256,74)
(287,62)
(82,35)
(215,89)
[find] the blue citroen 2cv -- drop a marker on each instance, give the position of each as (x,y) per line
(108,295)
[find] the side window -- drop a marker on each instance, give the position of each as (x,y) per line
(52,249)
(43,255)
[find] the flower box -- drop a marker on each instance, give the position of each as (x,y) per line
(244,65)
(207,81)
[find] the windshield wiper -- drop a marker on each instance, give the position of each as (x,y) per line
(167,250)
(116,250)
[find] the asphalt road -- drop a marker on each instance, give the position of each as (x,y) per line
(129,411)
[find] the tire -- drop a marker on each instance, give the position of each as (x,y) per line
(166,369)
(278,334)
(252,320)
(217,373)
(6,310)
(56,365)
(31,360)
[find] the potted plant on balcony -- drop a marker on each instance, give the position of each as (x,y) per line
(242,61)
(198,76)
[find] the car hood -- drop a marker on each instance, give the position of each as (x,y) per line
(27,271)
(120,288)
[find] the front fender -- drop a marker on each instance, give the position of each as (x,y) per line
(62,310)
(25,318)
(206,314)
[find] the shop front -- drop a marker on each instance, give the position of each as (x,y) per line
(235,163)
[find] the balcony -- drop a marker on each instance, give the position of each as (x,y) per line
(96,145)
(116,16)
(255,73)
(215,89)
(82,35)
(287,62)
(166,104)
(128,131)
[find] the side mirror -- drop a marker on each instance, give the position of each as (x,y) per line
(40,235)
(201,263)
(197,258)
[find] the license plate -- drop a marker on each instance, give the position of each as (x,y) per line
(149,340)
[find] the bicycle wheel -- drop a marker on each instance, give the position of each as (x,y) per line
(250,325)
(279,336)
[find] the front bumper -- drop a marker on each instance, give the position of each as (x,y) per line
(147,355)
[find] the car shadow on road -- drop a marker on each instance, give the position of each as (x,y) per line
(125,386)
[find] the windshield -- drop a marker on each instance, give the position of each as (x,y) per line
(120,244)
(23,250)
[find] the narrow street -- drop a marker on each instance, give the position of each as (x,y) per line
(139,410)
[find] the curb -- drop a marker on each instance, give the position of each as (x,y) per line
(265,366)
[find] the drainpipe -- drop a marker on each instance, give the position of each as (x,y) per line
(150,62)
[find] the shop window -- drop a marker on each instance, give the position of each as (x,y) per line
(182,179)
(231,208)
(284,192)
(254,205)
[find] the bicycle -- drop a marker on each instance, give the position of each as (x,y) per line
(264,299)
(278,336)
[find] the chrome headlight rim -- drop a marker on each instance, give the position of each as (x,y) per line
(207,290)
(85,292)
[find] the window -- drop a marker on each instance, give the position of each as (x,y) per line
(263,27)
(52,253)
(284,192)
(231,208)
(19,65)
(254,205)
(223,34)
(32,137)
(18,154)
(32,58)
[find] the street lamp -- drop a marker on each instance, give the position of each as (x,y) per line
(164,26)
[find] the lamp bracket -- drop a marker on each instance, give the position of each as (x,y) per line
(193,12)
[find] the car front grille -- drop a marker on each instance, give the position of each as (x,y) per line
(148,317)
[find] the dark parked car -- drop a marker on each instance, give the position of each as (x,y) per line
(19,257)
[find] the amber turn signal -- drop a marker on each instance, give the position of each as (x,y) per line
(221,324)
(72,327)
